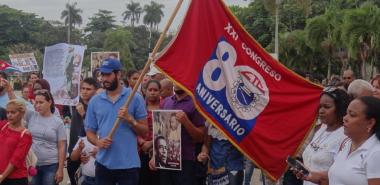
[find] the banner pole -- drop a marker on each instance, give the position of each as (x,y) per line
(147,64)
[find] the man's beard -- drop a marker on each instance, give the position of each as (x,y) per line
(114,85)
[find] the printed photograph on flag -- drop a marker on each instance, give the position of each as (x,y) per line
(98,57)
(25,62)
(62,69)
(166,140)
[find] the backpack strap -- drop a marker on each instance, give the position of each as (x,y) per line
(5,126)
(22,133)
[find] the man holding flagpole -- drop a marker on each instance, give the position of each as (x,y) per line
(117,161)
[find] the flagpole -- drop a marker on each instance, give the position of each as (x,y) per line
(145,69)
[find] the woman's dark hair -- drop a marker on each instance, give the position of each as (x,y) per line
(128,76)
(48,97)
(153,81)
(372,111)
(341,101)
(44,84)
(30,75)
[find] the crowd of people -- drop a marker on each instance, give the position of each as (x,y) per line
(344,147)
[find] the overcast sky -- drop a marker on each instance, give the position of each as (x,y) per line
(51,9)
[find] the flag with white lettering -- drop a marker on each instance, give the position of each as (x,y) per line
(263,108)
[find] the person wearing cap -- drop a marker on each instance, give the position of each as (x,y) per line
(117,161)
(155,74)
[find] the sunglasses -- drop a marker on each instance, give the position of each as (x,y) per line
(330,90)
(44,92)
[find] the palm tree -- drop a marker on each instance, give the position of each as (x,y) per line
(296,54)
(323,35)
(72,17)
(133,13)
(361,36)
(153,16)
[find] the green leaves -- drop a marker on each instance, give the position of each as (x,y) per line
(120,40)
(101,21)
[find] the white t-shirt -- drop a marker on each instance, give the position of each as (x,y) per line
(88,169)
(359,166)
(320,153)
(214,132)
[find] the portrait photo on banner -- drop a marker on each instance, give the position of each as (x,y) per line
(62,68)
(166,140)
(25,62)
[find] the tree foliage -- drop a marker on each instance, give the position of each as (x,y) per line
(133,13)
(71,15)
(319,36)
(120,40)
(101,22)
(153,14)
(316,36)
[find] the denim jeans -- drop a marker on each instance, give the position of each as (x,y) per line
(45,175)
(105,176)
(224,154)
(88,180)
(249,167)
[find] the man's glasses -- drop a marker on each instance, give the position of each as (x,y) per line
(161,147)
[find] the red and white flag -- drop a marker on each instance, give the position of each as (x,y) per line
(264,109)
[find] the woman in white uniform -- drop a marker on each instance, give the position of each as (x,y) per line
(320,152)
(358,161)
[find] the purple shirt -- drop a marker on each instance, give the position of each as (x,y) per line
(187,106)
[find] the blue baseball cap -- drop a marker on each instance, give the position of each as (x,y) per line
(110,65)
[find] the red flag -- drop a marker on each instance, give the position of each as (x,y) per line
(4,66)
(265,109)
